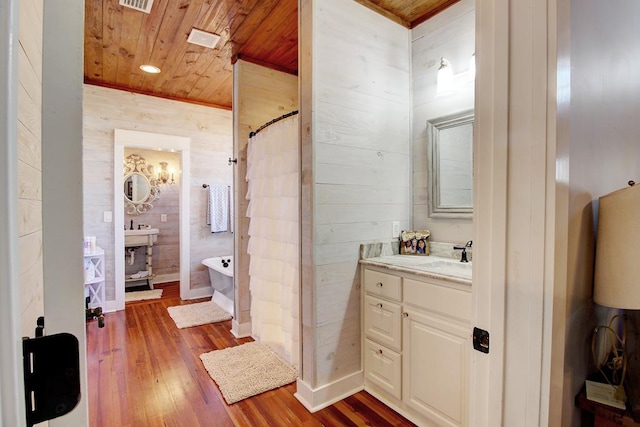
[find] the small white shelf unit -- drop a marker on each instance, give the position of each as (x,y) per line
(94,283)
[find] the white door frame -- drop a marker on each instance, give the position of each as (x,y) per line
(150,141)
(514,211)
(490,208)
(12,409)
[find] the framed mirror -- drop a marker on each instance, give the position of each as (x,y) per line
(136,187)
(140,185)
(450,151)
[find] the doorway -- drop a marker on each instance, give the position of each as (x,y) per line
(158,142)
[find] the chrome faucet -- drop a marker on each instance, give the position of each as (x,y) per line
(463,257)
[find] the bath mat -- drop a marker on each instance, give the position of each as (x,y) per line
(196,314)
(247,370)
(142,295)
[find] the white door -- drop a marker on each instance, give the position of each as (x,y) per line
(11,389)
(514,210)
(62,213)
(490,181)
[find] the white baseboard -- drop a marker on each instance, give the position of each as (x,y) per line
(166,278)
(328,394)
(223,301)
(110,307)
(198,293)
(240,330)
(403,409)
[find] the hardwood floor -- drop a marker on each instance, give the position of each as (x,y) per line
(144,371)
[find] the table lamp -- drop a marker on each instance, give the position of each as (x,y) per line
(617,274)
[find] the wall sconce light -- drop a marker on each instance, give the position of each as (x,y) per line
(616,278)
(165,176)
(446,80)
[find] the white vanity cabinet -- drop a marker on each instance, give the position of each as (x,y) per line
(416,344)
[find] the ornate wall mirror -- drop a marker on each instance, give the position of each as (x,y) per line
(450,147)
(140,185)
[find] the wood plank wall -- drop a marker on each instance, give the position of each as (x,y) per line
(450,34)
(260,95)
(210,130)
(358,156)
(30,162)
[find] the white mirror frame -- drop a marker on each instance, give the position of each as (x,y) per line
(135,164)
(437,209)
(149,141)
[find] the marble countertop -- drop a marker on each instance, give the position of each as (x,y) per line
(428,266)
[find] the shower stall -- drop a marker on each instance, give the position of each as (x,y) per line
(273,189)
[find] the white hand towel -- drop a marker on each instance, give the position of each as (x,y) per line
(218,208)
(230,210)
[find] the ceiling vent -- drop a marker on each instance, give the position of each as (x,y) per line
(203,38)
(141,5)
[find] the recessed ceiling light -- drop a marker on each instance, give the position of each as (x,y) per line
(150,69)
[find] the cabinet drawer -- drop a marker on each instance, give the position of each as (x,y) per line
(439,299)
(383,321)
(383,367)
(382,284)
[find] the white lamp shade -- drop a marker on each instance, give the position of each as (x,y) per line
(617,272)
(444,79)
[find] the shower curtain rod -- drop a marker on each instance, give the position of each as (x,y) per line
(293,113)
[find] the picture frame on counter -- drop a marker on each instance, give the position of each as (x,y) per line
(414,242)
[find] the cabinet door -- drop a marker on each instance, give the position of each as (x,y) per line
(435,359)
(383,367)
(382,322)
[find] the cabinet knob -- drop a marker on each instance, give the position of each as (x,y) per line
(405,314)
(380,351)
(379,284)
(379,305)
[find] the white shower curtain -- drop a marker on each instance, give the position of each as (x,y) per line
(274,236)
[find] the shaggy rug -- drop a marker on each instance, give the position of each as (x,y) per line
(142,295)
(196,314)
(247,370)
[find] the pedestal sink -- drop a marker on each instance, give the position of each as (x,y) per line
(143,237)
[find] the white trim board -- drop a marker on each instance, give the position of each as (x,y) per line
(150,141)
(315,399)
(166,278)
(240,330)
(203,292)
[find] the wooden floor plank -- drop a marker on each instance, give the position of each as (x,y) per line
(145,372)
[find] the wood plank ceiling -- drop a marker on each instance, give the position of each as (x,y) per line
(117,40)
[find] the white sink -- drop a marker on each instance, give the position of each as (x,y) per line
(143,237)
(142,232)
(462,269)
